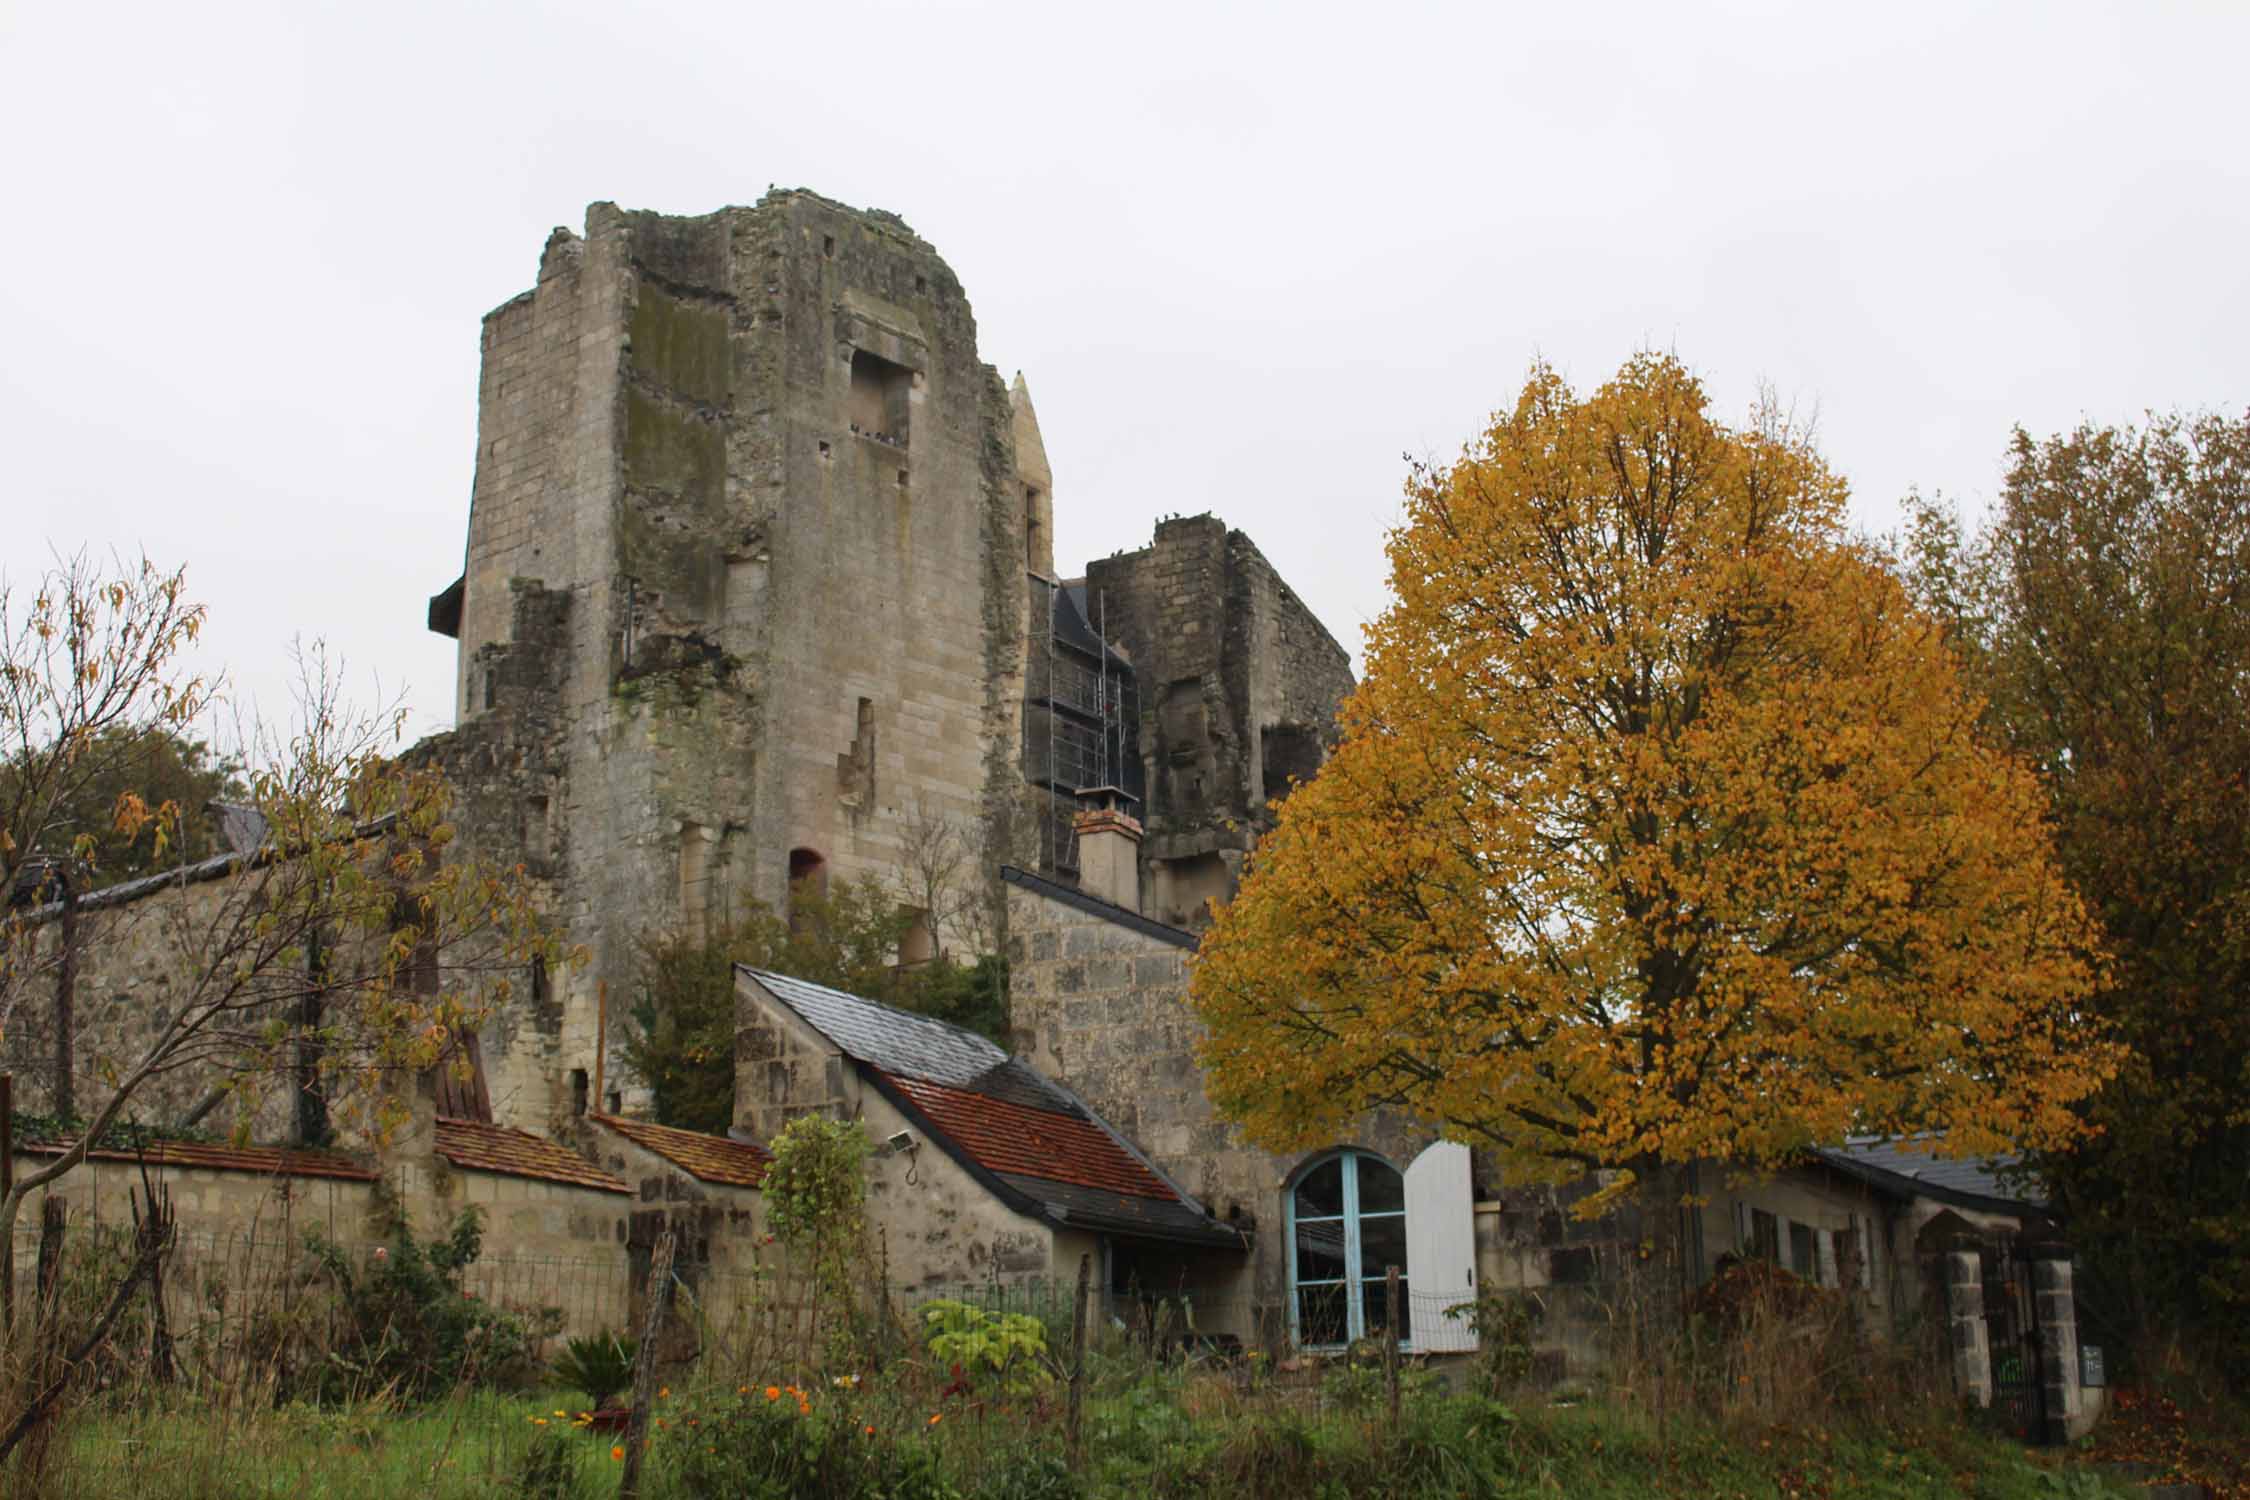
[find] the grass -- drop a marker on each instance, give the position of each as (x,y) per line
(1154,1438)
(462,1449)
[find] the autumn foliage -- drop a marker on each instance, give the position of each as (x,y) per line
(1661,829)
(2105,604)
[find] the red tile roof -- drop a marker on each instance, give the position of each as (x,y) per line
(708,1158)
(1020,1141)
(475,1146)
(274,1161)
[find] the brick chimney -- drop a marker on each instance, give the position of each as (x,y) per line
(1109,848)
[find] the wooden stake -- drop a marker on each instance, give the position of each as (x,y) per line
(644,1363)
(1390,1339)
(1073,1440)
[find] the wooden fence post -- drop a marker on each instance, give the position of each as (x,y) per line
(152,1237)
(1074,1445)
(1390,1339)
(644,1364)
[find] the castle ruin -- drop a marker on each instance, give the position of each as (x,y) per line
(760,579)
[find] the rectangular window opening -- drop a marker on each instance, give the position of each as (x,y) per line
(880,398)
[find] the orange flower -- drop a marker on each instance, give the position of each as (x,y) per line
(773,1393)
(870,1430)
(936,1417)
(618,1453)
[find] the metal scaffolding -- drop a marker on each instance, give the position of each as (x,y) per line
(1091,708)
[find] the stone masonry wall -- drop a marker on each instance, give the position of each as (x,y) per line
(241,1233)
(133,975)
(1239,686)
(745,576)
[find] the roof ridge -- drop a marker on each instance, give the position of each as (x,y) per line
(978,1037)
(1109,911)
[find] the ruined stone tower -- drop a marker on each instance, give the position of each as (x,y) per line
(760,588)
(745,588)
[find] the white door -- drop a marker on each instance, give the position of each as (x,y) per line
(1441,1247)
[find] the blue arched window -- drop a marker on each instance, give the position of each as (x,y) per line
(1347,1225)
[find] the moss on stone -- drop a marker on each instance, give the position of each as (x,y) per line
(681,344)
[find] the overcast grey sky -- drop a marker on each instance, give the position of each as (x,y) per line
(1247,256)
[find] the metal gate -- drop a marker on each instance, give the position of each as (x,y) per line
(2012,1334)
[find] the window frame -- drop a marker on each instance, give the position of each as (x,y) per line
(1355,1277)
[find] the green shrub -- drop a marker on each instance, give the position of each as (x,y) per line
(1037,1474)
(777,1449)
(1504,1323)
(1010,1348)
(547,1469)
(600,1366)
(410,1328)
(1351,1385)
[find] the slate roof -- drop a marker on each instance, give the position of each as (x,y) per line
(896,1041)
(474,1146)
(273,1161)
(1971,1182)
(1074,624)
(707,1158)
(1029,1140)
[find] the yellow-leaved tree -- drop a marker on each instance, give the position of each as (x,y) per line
(1661,830)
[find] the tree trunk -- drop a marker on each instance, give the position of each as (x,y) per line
(1664,1232)
(312,1104)
(66,1004)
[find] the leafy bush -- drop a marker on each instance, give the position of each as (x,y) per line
(600,1366)
(1009,1347)
(1504,1323)
(1351,1385)
(547,1469)
(815,1195)
(681,1041)
(782,1447)
(1036,1474)
(409,1325)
